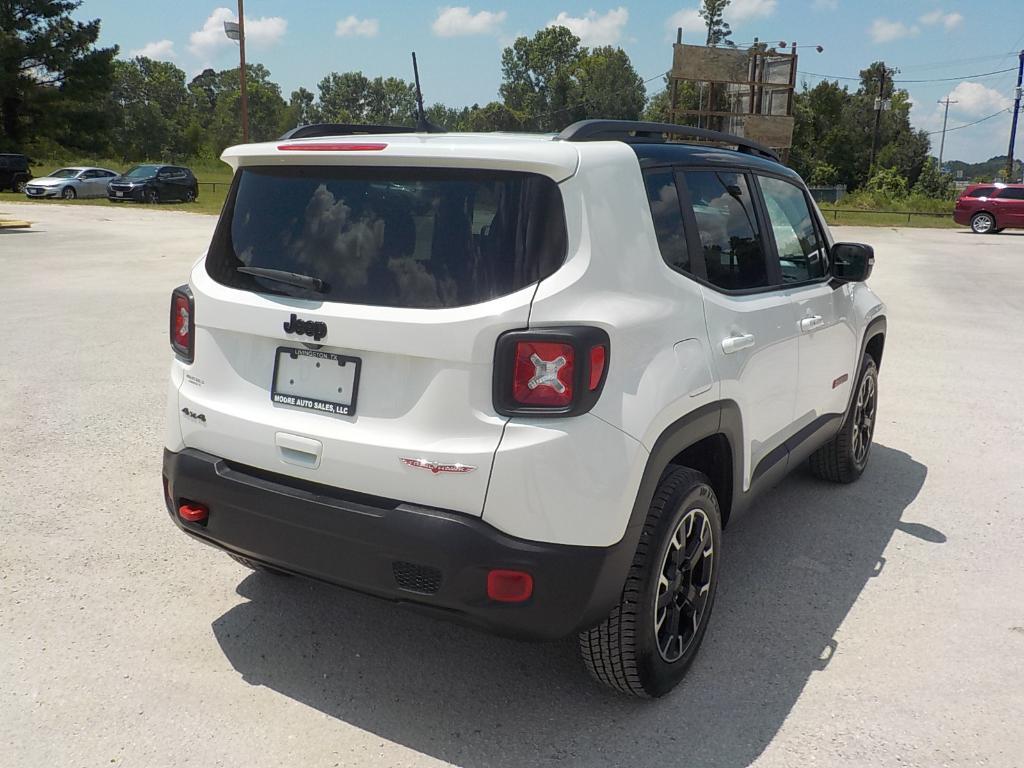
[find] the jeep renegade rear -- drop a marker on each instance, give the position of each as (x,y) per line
(518,381)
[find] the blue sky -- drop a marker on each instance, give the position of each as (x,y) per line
(459,47)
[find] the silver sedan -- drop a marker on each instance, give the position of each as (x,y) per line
(71,182)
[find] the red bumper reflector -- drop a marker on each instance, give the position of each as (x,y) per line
(331,147)
(509,586)
(193,513)
(598,355)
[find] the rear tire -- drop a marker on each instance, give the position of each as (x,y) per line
(151,196)
(983,223)
(190,196)
(19,185)
(254,566)
(649,640)
(843,459)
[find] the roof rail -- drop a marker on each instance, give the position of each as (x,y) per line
(342,129)
(625,130)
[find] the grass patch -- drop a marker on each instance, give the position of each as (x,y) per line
(868,218)
(213,176)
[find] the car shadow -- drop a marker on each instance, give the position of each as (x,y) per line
(794,566)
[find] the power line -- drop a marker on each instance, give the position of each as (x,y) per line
(968,125)
(932,80)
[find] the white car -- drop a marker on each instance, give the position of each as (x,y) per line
(520,381)
(71,182)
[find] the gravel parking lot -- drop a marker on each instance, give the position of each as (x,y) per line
(876,624)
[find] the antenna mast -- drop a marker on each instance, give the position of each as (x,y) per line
(421,118)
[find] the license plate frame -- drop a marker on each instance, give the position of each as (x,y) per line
(118,194)
(310,403)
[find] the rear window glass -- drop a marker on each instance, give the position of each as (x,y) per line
(394,237)
(981,192)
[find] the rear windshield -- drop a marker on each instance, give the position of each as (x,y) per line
(392,237)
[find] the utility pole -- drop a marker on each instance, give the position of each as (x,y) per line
(879,102)
(945,116)
(1016,114)
(242,84)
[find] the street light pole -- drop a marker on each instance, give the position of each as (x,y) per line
(945,116)
(242,84)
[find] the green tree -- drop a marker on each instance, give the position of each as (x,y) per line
(712,11)
(538,78)
(390,101)
(302,109)
(889,183)
(151,110)
(932,182)
(609,85)
(343,97)
(53,79)
(659,108)
(824,175)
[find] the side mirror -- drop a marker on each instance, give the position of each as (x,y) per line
(852,262)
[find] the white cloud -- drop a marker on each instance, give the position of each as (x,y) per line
(825,5)
(976,99)
(948,20)
(691,22)
(594,29)
(885,31)
(160,50)
(352,26)
(739,11)
(459,21)
(266,30)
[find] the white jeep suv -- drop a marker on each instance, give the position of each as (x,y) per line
(520,381)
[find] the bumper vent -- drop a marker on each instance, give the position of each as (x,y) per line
(416,578)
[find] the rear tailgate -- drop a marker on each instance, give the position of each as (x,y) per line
(421,269)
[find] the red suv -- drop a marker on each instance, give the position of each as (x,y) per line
(990,208)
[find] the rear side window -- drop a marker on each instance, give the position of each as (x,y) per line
(392,237)
(727,224)
(801,254)
(1011,193)
(668,218)
(981,192)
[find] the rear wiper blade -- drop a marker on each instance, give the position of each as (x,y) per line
(288,278)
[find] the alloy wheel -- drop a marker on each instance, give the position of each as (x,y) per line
(864,419)
(982,223)
(684,585)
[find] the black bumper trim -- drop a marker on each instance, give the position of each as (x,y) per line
(353,542)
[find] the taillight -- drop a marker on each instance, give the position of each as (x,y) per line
(543,373)
(183,323)
(550,371)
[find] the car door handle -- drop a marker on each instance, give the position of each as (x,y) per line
(812,323)
(736,343)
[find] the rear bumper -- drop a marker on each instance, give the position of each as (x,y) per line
(431,559)
(962,216)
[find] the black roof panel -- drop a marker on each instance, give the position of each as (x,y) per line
(670,153)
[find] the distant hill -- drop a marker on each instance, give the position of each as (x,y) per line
(986,171)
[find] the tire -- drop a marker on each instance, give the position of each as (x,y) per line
(842,460)
(19,185)
(190,196)
(632,650)
(254,566)
(68,193)
(983,223)
(151,196)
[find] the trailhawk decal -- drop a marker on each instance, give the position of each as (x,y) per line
(436,467)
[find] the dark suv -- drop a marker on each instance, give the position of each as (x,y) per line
(991,208)
(14,172)
(154,184)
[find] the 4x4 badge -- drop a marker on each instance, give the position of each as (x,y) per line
(314,328)
(436,467)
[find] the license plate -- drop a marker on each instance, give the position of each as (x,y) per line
(318,381)
(119,194)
